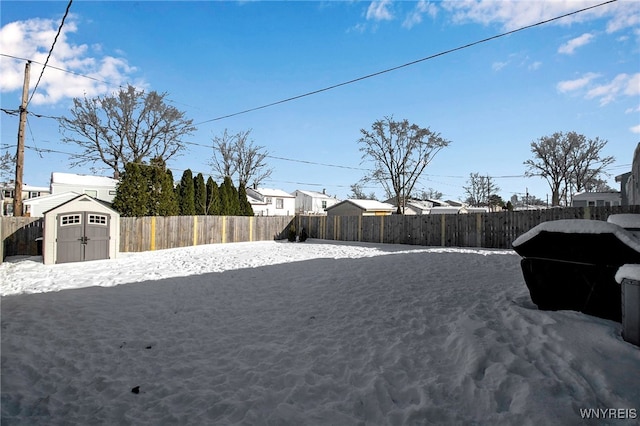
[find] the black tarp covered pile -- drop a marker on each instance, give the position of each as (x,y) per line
(571,264)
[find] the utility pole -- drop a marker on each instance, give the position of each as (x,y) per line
(17,198)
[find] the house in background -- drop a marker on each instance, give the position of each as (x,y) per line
(271,202)
(312,202)
(630,181)
(361,208)
(99,187)
(449,210)
(596,199)
(7,194)
(35,207)
(414,206)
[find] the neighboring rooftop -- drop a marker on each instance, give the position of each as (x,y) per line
(77,179)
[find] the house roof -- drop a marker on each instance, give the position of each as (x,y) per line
(314,194)
(25,187)
(269,192)
(64,196)
(366,205)
(76,179)
(448,210)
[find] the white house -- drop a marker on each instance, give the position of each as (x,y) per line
(413,206)
(7,194)
(596,199)
(271,202)
(100,187)
(312,202)
(35,207)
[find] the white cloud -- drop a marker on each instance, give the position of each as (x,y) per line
(379,11)
(569,47)
(635,129)
(622,84)
(415,16)
(515,14)
(497,66)
(535,66)
(32,39)
(631,110)
(579,83)
(633,86)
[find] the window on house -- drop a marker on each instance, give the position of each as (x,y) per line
(8,193)
(34,194)
(268,200)
(324,204)
(279,203)
(91,193)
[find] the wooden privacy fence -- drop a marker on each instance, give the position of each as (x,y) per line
(18,235)
(490,230)
(157,232)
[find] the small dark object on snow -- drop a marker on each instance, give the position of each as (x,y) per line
(303,235)
(136,390)
(149,347)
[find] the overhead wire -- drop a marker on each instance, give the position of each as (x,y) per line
(66,13)
(375,74)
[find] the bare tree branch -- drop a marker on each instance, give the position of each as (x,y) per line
(237,156)
(400,152)
(128,126)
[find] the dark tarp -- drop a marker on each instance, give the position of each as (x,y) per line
(576,271)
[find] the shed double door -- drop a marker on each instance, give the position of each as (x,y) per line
(82,236)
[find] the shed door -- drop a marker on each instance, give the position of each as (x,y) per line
(82,236)
(96,232)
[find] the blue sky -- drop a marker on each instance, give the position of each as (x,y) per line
(217,58)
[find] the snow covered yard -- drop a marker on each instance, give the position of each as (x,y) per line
(315,333)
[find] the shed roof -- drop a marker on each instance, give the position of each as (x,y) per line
(366,205)
(88,198)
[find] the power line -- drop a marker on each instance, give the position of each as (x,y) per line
(62,69)
(66,12)
(375,74)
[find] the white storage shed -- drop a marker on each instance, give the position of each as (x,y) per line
(80,229)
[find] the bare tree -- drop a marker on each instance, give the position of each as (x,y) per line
(358,193)
(128,126)
(7,166)
(598,185)
(587,165)
(224,162)
(479,189)
(400,152)
(430,194)
(568,161)
(237,156)
(551,161)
